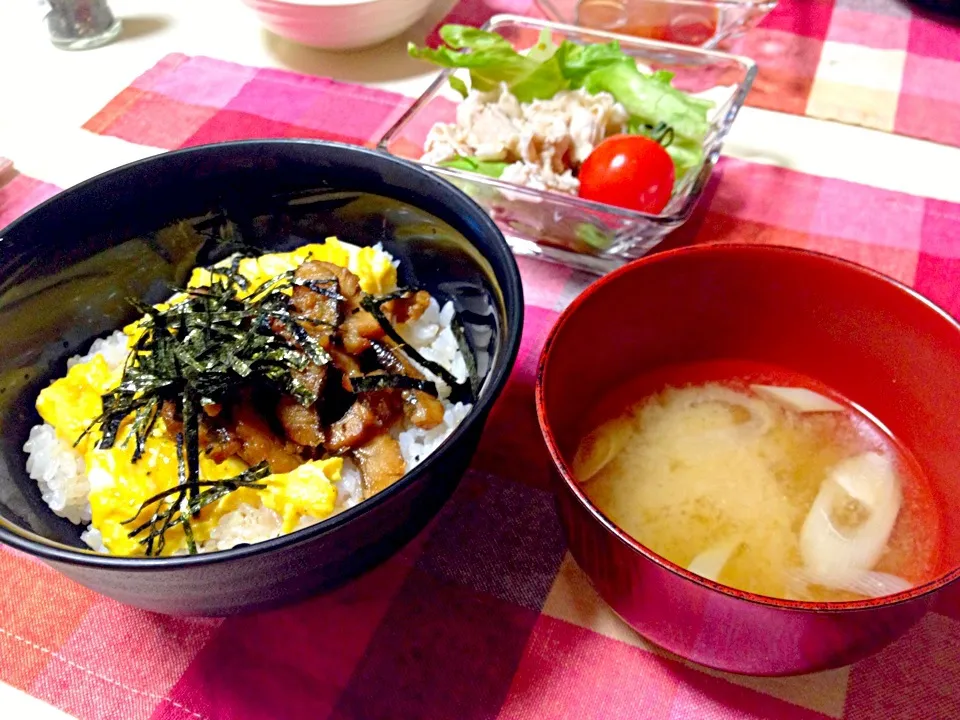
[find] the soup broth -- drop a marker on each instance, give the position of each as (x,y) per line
(706,467)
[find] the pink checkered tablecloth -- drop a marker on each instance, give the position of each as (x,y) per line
(484,615)
(876,63)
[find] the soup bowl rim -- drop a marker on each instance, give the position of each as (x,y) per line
(638,549)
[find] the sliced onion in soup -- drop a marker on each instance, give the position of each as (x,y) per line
(798,399)
(710,562)
(850,522)
(600,447)
(759,418)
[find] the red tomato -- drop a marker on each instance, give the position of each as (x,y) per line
(629,171)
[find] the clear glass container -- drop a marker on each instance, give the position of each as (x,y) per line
(80,24)
(702,23)
(581,233)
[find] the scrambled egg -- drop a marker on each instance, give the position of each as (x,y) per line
(118,486)
(372,266)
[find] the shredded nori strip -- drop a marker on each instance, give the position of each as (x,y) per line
(372,303)
(180,502)
(370,383)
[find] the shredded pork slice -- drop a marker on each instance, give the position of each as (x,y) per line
(534,176)
(381,463)
(545,141)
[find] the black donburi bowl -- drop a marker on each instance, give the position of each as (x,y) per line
(68,267)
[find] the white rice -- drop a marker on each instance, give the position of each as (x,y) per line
(52,461)
(113,348)
(60,473)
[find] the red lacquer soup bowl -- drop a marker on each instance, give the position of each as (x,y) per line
(872,340)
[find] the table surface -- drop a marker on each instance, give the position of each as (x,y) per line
(47,94)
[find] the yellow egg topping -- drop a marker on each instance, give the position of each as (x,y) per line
(71,403)
(372,266)
(119,486)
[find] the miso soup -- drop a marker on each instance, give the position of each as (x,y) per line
(761,480)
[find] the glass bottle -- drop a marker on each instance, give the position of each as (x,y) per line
(80,24)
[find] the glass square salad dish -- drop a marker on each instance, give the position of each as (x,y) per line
(558,224)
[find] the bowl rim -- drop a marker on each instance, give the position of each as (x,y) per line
(564,471)
(697,183)
(455,200)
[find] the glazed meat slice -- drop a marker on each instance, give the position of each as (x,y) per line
(261,443)
(381,463)
(347,366)
(319,312)
(357,331)
(367,417)
(420,408)
(219,442)
(356,426)
(300,423)
(360,329)
(216,440)
(347,284)
(345,363)
(408,308)
(385,404)
(173,423)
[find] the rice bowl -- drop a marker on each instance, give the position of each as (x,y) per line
(50,311)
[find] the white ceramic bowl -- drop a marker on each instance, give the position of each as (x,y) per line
(339,24)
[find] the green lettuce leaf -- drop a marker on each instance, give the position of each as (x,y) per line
(686,155)
(490,168)
(465,37)
(578,61)
(491,60)
(651,100)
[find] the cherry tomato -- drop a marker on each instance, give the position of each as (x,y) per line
(629,171)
